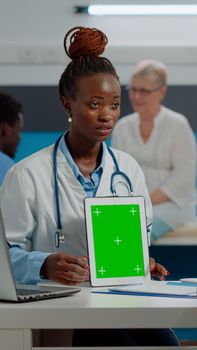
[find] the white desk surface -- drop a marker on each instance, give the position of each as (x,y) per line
(88,310)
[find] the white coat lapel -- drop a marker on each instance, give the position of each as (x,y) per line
(104,185)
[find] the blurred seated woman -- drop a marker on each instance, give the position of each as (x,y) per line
(163,143)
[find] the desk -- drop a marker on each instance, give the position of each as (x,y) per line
(88,310)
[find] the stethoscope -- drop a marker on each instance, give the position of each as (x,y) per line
(60,237)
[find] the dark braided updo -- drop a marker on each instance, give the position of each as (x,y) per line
(85,46)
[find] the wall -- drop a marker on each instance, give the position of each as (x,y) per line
(31,37)
(45,119)
(32,57)
(44,112)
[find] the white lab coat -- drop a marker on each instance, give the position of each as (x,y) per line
(28,201)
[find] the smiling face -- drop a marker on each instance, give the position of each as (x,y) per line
(95,107)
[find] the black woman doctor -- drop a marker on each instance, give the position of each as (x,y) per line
(47,219)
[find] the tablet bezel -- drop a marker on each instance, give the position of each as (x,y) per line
(112,281)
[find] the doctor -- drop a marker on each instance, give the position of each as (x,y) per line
(47,217)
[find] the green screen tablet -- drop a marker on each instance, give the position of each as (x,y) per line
(117,240)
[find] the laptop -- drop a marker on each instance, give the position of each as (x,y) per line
(117,240)
(10,291)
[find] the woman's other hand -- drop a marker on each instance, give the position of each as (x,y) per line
(158,270)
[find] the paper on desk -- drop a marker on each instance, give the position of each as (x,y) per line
(184,284)
(156,287)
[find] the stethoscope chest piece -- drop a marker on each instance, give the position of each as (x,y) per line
(59,238)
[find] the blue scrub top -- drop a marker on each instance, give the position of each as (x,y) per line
(5,164)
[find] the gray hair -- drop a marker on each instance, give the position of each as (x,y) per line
(152,68)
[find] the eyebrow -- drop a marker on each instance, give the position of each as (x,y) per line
(102,98)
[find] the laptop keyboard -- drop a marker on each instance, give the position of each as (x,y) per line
(21,291)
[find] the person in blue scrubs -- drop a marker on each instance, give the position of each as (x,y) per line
(11,124)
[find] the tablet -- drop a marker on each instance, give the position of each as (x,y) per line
(117,240)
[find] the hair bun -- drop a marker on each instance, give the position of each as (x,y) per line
(84,41)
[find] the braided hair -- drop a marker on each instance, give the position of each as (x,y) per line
(85,47)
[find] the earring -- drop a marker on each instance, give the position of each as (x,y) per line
(69,116)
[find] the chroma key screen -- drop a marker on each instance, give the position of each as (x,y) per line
(117,240)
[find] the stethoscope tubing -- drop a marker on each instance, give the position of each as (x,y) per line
(58,237)
(56,192)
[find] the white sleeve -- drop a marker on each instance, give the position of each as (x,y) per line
(140,189)
(181,182)
(18,207)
